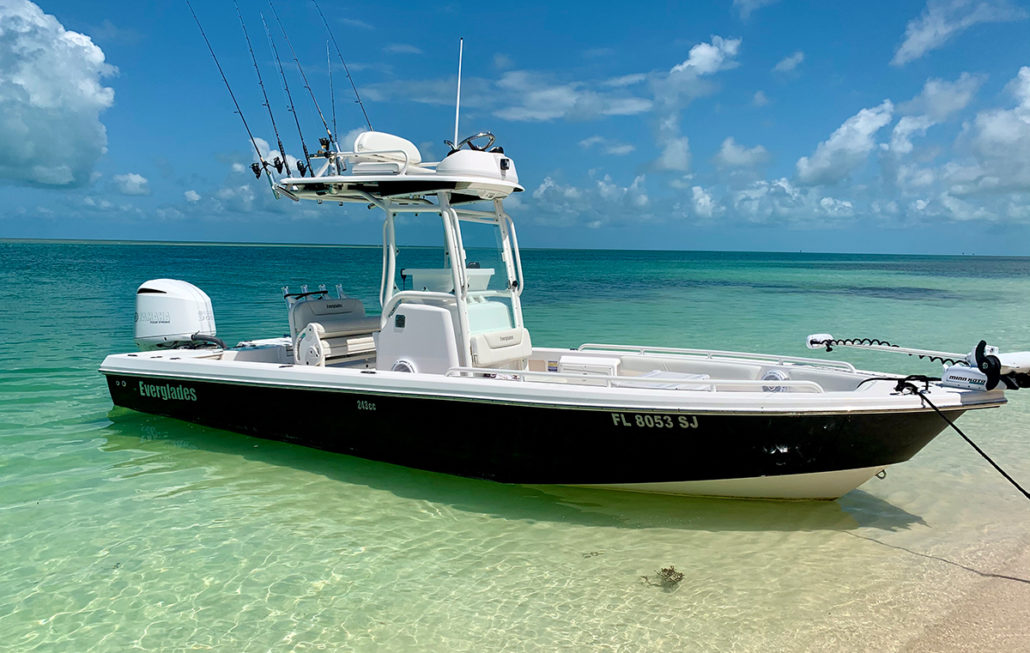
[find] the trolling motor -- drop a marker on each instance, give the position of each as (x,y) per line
(981,369)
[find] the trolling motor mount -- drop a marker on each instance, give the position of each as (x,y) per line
(981,369)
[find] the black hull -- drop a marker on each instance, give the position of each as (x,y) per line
(535,444)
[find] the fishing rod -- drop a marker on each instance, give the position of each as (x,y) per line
(255,167)
(332,93)
(278,162)
(357,98)
(300,69)
(289,97)
(332,97)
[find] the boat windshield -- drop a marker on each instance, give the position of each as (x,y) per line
(421,268)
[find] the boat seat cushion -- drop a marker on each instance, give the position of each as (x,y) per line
(387,168)
(337,317)
(380,146)
(316,347)
(662,380)
(501,347)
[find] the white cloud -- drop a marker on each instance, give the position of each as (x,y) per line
(675,154)
(887,208)
(602,202)
(766,200)
(961,211)
(270,155)
(940,99)
(625,80)
(685,82)
(132,184)
(999,140)
(846,149)
(521,96)
(1019,88)
(503,61)
(347,142)
(788,64)
(50,83)
(535,96)
(759,99)
(780,202)
(745,7)
(241,192)
(943,19)
(912,178)
(835,207)
(529,96)
(607,145)
(402,48)
(905,128)
(612,192)
(428,91)
(108,32)
(709,58)
(550,189)
(703,204)
(731,155)
(94,203)
(524,95)
(262,146)
(242,198)
(619,149)
(356,22)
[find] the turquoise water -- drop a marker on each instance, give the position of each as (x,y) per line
(125,531)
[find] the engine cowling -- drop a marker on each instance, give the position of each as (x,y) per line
(170,312)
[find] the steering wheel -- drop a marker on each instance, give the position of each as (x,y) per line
(472,146)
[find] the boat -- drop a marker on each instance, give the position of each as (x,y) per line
(446,378)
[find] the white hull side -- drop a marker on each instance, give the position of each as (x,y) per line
(818,485)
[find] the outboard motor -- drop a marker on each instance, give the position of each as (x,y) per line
(172,313)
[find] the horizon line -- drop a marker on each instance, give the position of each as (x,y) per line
(218,243)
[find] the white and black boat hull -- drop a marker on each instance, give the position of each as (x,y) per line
(789,454)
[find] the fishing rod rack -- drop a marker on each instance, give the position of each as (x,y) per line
(281,162)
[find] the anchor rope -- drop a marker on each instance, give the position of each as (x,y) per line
(906,384)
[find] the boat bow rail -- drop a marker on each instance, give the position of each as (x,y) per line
(644,382)
(715,354)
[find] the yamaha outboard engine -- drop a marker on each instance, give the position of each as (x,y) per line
(172,313)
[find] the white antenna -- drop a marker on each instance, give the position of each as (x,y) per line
(457,102)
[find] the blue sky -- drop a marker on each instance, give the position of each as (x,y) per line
(899,127)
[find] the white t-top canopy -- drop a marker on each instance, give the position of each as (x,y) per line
(387,166)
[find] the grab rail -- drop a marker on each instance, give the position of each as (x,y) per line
(415,297)
(633,381)
(713,354)
(368,156)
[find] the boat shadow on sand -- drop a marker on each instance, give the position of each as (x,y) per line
(132,431)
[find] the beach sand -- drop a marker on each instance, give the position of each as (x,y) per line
(994,615)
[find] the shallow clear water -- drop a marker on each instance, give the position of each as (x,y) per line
(121,530)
